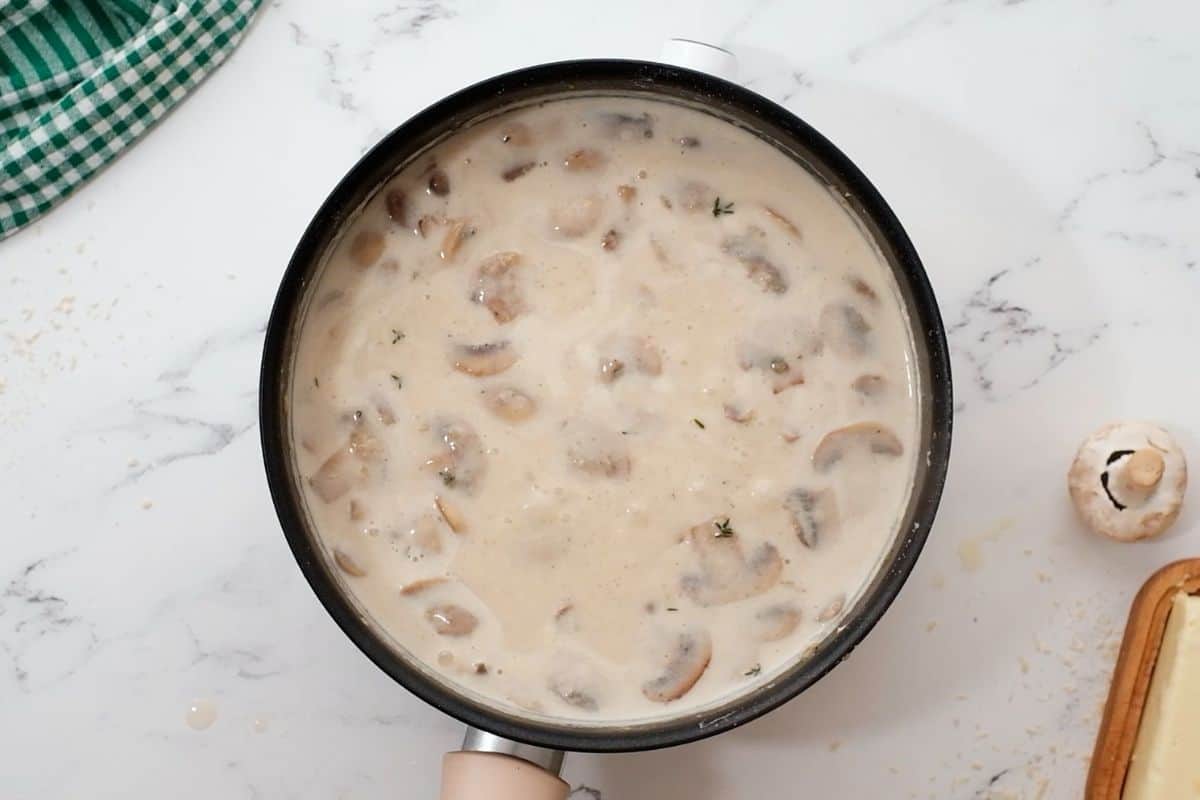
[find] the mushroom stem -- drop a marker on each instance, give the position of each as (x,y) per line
(1143,470)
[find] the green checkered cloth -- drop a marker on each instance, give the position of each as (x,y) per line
(81,80)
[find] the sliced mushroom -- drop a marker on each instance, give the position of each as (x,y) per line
(357,512)
(480,360)
(461,464)
(577,217)
(427,222)
(451,513)
(422,585)
(459,231)
(873,438)
(509,403)
(451,620)
(610,240)
(695,196)
(814,514)
(626,192)
(625,127)
(517,170)
(870,386)
(727,575)
(439,183)
(348,563)
(776,622)
(737,414)
(784,222)
(750,250)
(573,696)
(586,159)
(366,248)
(781,383)
(862,288)
(611,369)
(684,663)
(347,468)
(421,539)
(396,203)
(845,330)
(832,609)
(496,286)
(647,357)
(337,475)
(596,450)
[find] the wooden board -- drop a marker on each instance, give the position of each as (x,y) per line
(1131,678)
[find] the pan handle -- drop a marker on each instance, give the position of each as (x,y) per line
(490,767)
(700,56)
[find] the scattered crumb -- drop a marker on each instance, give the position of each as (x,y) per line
(260,724)
(66,305)
(929,626)
(1024,665)
(834,745)
(147,503)
(1043,577)
(970,555)
(133,462)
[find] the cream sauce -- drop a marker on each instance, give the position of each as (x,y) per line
(562,398)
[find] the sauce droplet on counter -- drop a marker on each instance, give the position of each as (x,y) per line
(201,714)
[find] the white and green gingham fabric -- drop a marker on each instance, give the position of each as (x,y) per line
(81,80)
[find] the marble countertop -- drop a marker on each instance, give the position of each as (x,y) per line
(1044,155)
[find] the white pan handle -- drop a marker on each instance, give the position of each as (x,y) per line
(700,56)
(490,767)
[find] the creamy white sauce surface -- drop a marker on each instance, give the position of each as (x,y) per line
(605,410)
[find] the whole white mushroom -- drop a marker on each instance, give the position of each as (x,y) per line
(1128,480)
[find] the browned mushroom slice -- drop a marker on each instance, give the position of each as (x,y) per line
(517,170)
(784,222)
(727,574)
(461,465)
(459,231)
(496,286)
(785,381)
(626,192)
(776,622)
(596,450)
(611,369)
(451,514)
(625,127)
(439,183)
(610,240)
(870,386)
(366,248)
(509,403)
(357,511)
(517,134)
(873,438)
(421,585)
(577,217)
(451,620)
(736,414)
(832,609)
(480,360)
(750,251)
(845,330)
(396,203)
(685,662)
(427,222)
(348,563)
(863,289)
(814,514)
(586,159)
(647,357)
